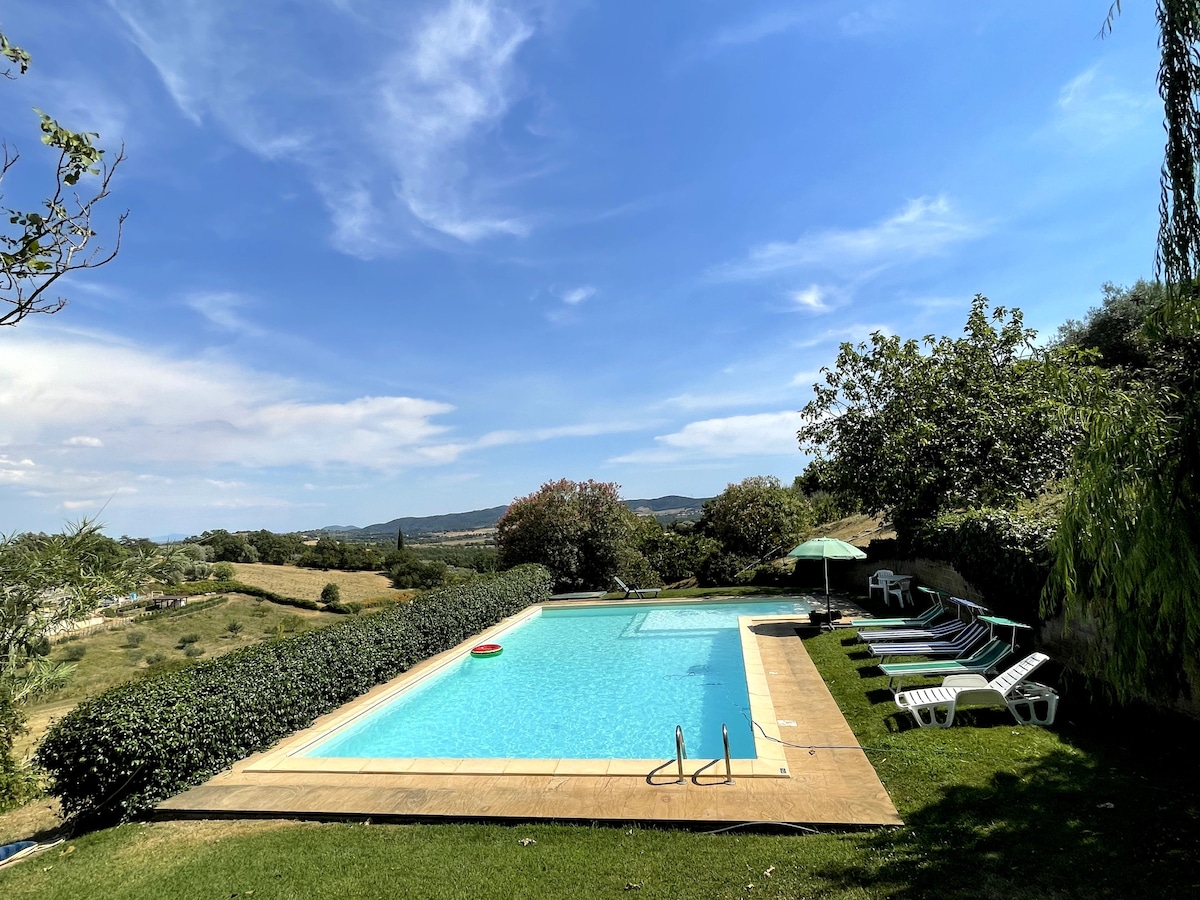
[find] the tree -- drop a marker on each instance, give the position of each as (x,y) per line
(331,593)
(1116,329)
(46,244)
(577,530)
(47,582)
(757,518)
(971,421)
(1128,547)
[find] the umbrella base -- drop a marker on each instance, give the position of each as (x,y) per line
(821,617)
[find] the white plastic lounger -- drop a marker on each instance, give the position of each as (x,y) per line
(1030,703)
(962,643)
(981,662)
(640,593)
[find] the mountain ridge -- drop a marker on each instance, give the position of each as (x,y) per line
(669,508)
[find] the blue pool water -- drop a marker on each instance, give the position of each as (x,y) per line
(593,683)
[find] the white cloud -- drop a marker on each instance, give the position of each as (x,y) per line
(409,116)
(1092,111)
(762,434)
(812,298)
(752,31)
(926,226)
(575,296)
(852,333)
(587,429)
(140,409)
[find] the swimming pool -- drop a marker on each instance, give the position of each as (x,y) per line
(598,682)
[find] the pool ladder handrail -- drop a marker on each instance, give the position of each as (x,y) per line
(680,753)
(728,764)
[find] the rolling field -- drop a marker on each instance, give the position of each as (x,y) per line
(290,581)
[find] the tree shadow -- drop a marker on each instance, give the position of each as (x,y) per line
(1091,819)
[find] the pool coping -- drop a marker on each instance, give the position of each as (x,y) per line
(831,781)
(770,762)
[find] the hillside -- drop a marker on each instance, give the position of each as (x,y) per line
(671,508)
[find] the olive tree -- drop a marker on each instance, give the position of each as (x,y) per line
(40,246)
(46,583)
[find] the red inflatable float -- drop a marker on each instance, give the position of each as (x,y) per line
(487,650)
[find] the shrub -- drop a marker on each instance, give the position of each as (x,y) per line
(191,651)
(190,638)
(74,652)
(223,571)
(1004,554)
(134,639)
(235,627)
(155,658)
(721,569)
(331,593)
(118,754)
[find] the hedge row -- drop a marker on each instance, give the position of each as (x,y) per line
(1004,554)
(120,753)
(236,587)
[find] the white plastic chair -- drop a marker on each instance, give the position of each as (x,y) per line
(899,590)
(875,583)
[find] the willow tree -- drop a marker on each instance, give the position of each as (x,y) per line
(1128,548)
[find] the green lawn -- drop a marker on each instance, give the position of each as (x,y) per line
(1092,807)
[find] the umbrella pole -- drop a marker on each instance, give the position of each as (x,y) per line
(827,615)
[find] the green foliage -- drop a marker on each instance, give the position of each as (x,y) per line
(673,554)
(328,553)
(481,559)
(577,530)
(235,627)
(722,568)
(74,652)
(1002,553)
(228,547)
(118,754)
(223,571)
(134,639)
(407,570)
(46,244)
(331,593)
(192,651)
(757,518)
(1128,549)
(967,422)
(1115,329)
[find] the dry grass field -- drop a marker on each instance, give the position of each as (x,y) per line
(290,581)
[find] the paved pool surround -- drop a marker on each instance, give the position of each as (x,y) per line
(823,777)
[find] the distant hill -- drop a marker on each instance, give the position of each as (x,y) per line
(672,508)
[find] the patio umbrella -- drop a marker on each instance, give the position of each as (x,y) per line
(826,548)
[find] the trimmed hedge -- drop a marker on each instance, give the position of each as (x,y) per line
(120,753)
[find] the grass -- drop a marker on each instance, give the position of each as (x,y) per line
(1095,807)
(291,581)
(157,643)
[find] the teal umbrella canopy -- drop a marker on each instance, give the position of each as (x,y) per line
(826,548)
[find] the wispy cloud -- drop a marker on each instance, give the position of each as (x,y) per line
(407,144)
(813,298)
(536,435)
(924,227)
(739,34)
(575,296)
(762,434)
(1092,111)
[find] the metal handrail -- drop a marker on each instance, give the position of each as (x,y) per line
(728,764)
(680,753)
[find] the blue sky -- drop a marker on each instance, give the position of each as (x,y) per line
(389,259)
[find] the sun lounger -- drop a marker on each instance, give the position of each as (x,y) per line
(971,635)
(1030,703)
(981,662)
(920,621)
(942,631)
(640,593)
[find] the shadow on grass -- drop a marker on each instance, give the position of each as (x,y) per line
(1065,827)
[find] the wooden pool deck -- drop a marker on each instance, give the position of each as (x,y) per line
(828,779)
